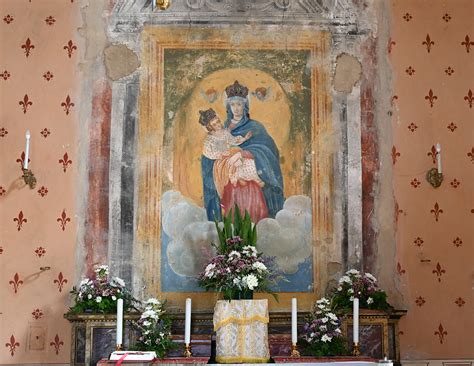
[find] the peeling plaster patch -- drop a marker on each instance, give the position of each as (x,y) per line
(120,61)
(347,74)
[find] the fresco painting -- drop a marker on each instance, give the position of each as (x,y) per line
(237,129)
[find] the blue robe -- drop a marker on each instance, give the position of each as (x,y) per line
(267,161)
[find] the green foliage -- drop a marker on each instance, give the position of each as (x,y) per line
(337,347)
(234,225)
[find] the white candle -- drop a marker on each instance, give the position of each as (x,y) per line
(27,149)
(119,321)
(187,322)
(355,320)
(438,157)
(294,320)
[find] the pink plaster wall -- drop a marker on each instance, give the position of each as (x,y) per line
(47,76)
(434,253)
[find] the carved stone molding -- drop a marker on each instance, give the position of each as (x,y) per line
(131,15)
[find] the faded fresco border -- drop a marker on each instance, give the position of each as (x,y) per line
(147,248)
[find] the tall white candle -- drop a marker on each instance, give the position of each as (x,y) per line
(187,322)
(438,156)
(119,321)
(355,320)
(27,149)
(294,320)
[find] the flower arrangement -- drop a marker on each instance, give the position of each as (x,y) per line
(154,328)
(363,286)
(100,294)
(322,334)
(238,269)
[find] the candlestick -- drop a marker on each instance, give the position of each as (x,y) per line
(294,320)
(355,321)
(187,322)
(438,157)
(119,322)
(27,149)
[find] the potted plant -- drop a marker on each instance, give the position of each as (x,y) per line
(154,328)
(322,335)
(100,294)
(237,269)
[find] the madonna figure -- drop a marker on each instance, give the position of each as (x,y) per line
(261,195)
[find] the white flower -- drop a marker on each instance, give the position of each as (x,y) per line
(114,297)
(326,338)
(98,299)
(238,282)
(370,301)
(351,298)
(234,254)
(209,271)
(319,312)
(259,266)
(321,306)
(102,270)
(324,320)
(250,281)
(345,279)
(152,301)
(84,282)
(323,301)
(337,330)
(117,281)
(339,289)
(89,296)
(149,314)
(250,250)
(370,277)
(350,291)
(353,272)
(334,322)
(332,316)
(146,323)
(323,327)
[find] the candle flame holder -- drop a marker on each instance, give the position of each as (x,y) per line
(29,178)
(187,351)
(434,177)
(355,349)
(294,351)
(163,4)
(118,347)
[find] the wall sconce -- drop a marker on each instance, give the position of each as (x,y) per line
(161,4)
(434,176)
(28,175)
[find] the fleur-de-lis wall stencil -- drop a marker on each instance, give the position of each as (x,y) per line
(20,220)
(25,103)
(436,211)
(467,43)
(67,105)
(470,154)
(60,281)
(21,160)
(65,161)
(441,333)
(439,271)
(428,43)
(433,153)
(390,45)
(56,343)
(16,282)
(469,98)
(395,155)
(400,270)
(27,46)
(13,344)
(63,220)
(431,98)
(70,47)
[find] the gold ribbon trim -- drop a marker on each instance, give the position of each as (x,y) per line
(242,359)
(235,320)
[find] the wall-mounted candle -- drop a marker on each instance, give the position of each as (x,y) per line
(438,157)
(119,321)
(27,149)
(187,322)
(294,320)
(355,320)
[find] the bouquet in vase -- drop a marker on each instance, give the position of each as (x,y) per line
(238,269)
(100,294)
(154,328)
(322,335)
(364,287)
